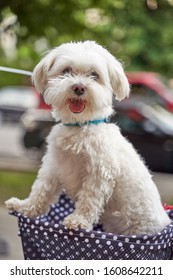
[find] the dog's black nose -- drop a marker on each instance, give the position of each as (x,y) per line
(78,89)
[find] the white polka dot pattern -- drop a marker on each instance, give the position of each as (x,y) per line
(46,238)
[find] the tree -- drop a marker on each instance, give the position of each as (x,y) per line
(137,32)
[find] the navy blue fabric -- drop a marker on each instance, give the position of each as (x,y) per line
(46,238)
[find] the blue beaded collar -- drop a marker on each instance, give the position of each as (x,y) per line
(106,120)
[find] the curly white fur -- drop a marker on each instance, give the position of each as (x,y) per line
(97,167)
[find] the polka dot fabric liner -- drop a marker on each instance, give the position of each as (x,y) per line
(45,238)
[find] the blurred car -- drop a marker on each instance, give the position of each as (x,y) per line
(150,130)
(151,88)
(145,118)
(15,100)
(37,124)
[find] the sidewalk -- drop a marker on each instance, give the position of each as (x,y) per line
(10,243)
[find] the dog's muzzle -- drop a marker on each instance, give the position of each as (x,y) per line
(76,103)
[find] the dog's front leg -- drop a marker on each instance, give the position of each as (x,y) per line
(89,206)
(44,191)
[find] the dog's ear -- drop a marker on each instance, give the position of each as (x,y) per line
(39,76)
(118,79)
(40,72)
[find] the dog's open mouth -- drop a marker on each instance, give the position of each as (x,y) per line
(76,105)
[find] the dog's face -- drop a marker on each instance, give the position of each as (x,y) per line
(79,79)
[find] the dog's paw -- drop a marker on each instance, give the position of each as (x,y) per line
(14,204)
(23,206)
(75,221)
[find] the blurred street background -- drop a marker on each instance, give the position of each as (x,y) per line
(139,33)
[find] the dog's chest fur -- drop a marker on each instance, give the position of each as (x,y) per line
(79,153)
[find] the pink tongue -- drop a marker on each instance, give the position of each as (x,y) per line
(76,106)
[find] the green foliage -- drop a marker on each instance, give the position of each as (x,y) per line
(15,184)
(11,79)
(137,33)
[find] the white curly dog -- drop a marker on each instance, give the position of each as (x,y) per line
(87,156)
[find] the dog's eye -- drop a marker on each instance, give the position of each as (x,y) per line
(67,70)
(94,75)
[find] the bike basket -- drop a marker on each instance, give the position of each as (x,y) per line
(46,238)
